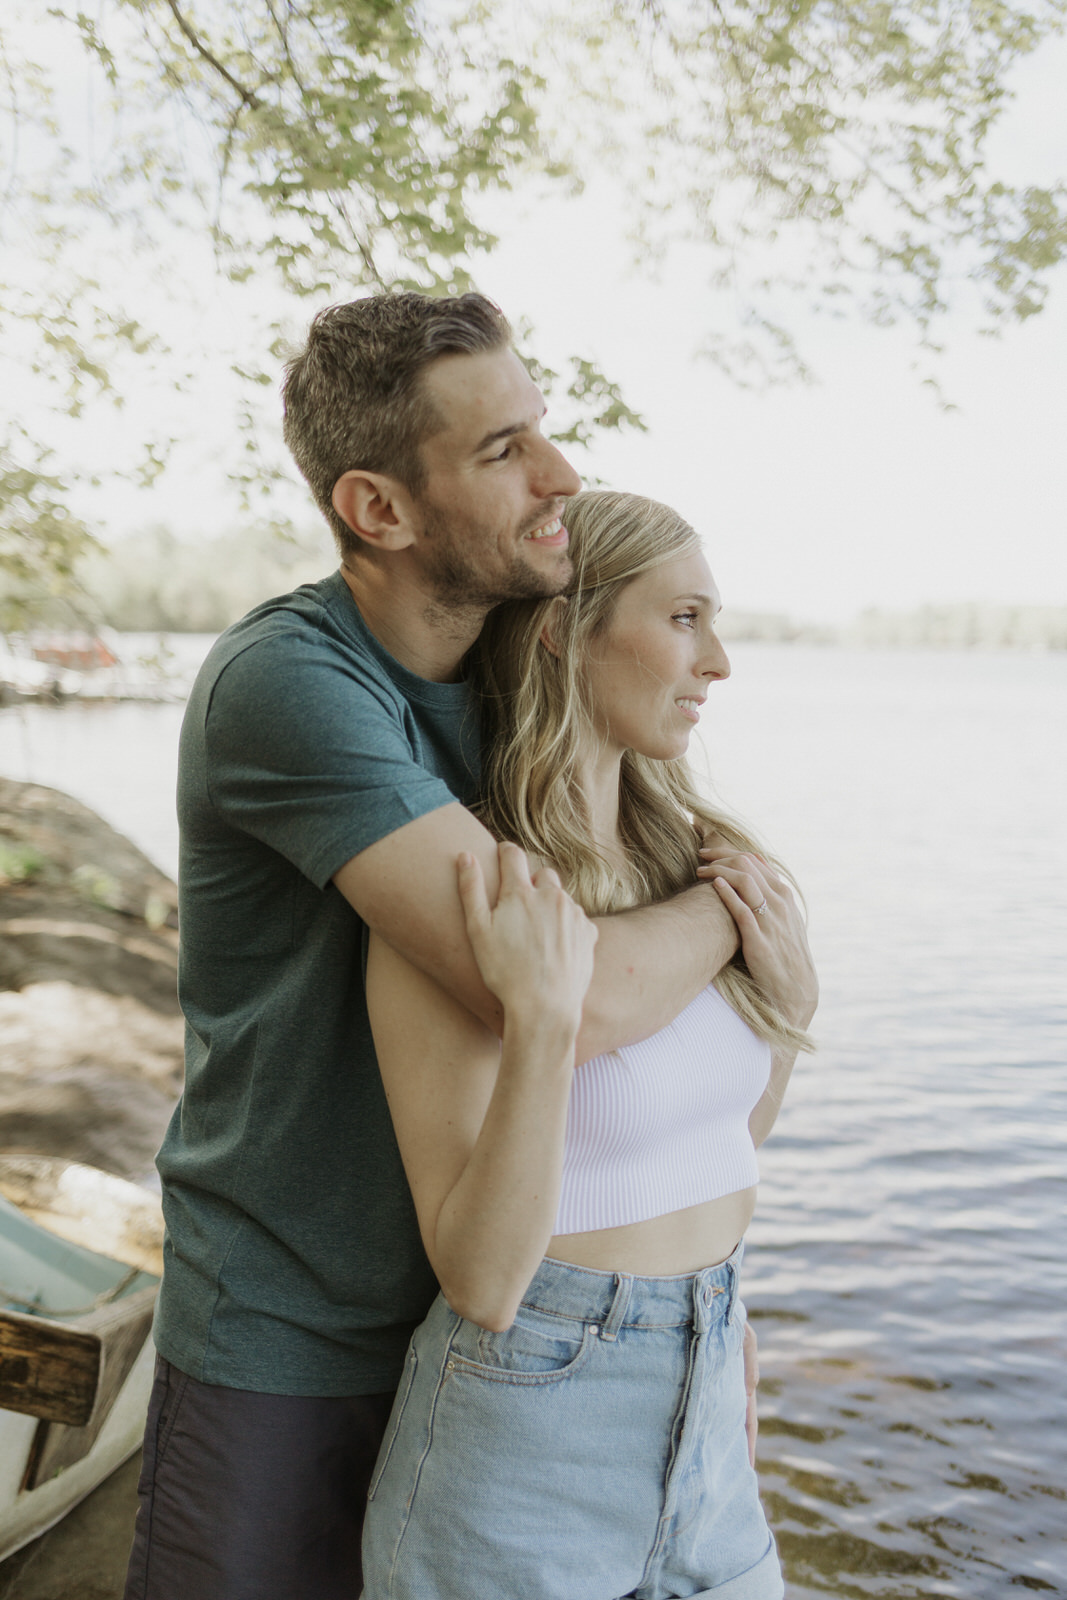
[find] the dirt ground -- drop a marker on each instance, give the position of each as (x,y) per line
(84,1556)
(90,1068)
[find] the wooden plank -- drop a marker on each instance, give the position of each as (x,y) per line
(53,1370)
(47,1368)
(57,1445)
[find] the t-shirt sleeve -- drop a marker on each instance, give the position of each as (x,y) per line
(309,752)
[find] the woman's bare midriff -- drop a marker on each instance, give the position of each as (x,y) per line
(683,1241)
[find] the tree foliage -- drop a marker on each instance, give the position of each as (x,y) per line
(345,132)
(833,150)
(836,151)
(41,543)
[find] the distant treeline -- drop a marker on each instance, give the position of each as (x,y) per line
(931,627)
(155,582)
(963,627)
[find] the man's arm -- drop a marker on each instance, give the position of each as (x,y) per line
(650,963)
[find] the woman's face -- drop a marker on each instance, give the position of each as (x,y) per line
(650,667)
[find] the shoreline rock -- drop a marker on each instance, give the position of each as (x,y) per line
(91,1033)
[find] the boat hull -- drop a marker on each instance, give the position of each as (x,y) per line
(79,1255)
(26,1514)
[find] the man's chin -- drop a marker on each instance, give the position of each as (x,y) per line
(547,579)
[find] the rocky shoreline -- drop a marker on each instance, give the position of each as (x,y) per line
(90,1029)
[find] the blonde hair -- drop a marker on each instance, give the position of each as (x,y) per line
(538,723)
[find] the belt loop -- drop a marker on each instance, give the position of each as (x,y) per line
(619,1305)
(731,1291)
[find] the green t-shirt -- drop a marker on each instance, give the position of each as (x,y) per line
(293,1263)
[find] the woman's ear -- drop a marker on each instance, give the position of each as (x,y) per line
(549,634)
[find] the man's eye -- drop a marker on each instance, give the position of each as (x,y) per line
(503,456)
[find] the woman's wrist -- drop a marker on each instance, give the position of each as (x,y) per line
(540,1031)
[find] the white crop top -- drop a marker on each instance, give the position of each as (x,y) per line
(661,1125)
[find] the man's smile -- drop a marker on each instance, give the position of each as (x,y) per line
(550,532)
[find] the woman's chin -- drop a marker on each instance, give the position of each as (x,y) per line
(671,749)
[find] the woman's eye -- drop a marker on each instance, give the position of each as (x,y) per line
(689,618)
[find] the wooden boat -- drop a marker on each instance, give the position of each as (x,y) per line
(80,1263)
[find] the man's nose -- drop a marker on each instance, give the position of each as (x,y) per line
(553,473)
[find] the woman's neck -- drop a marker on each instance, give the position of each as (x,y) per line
(600,776)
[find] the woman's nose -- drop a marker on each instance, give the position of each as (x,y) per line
(716,663)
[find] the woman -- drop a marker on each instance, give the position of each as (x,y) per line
(570,1425)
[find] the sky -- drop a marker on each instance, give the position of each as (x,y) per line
(822,499)
(816,500)
(858,490)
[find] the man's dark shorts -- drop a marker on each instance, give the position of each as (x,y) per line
(247,1496)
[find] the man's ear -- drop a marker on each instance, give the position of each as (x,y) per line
(549,635)
(376,507)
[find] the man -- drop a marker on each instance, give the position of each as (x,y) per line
(329,746)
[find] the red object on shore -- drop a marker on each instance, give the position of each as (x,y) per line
(82,651)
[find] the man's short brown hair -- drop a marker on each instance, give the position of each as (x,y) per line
(353,398)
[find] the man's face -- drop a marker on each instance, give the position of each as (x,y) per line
(495,486)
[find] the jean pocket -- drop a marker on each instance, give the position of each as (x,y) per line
(537,1348)
(411,1366)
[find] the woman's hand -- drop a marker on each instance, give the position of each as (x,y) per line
(534,949)
(773,939)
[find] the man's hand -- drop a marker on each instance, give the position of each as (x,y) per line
(751,1354)
(773,938)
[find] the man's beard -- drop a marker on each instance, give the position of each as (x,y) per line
(459,581)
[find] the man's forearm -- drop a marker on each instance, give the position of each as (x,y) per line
(650,963)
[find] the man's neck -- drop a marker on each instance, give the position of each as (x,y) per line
(428,638)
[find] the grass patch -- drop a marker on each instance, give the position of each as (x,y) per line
(20,863)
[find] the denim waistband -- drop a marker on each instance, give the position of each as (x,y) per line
(615,1300)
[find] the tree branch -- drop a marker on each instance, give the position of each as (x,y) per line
(248,96)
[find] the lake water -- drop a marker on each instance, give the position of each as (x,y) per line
(907,1269)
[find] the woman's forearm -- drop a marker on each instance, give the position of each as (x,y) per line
(494,1224)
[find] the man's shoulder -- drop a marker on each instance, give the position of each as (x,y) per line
(301,685)
(311,629)
(316,614)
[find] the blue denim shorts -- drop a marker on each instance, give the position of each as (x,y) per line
(594,1450)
